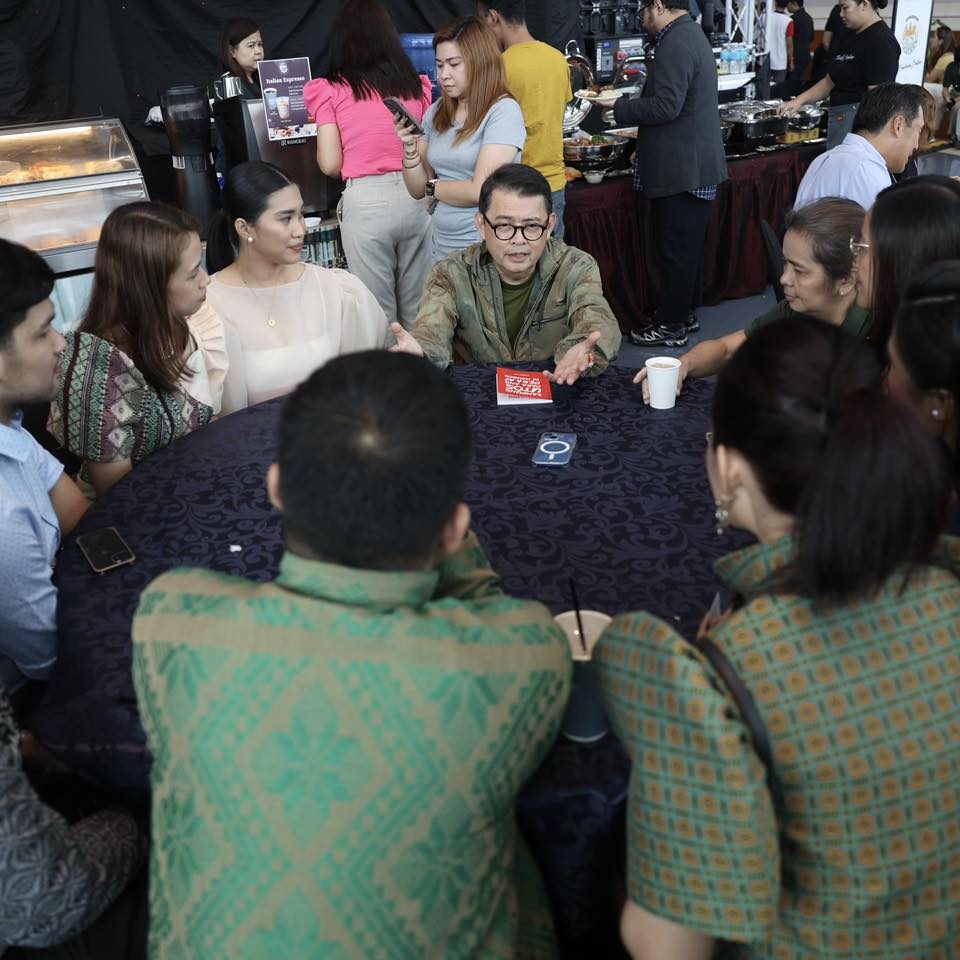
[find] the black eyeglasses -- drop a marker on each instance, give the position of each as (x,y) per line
(507,231)
(858,246)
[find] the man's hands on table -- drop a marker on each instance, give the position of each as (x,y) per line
(575,362)
(406,343)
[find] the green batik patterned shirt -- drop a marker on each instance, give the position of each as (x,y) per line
(336,760)
(855,853)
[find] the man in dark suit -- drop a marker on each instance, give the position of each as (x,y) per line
(679,161)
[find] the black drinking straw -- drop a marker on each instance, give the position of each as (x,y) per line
(576,610)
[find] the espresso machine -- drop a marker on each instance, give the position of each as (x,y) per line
(186,117)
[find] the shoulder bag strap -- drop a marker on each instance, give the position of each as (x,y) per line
(744,701)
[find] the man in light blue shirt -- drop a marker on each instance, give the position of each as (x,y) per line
(886,134)
(38,503)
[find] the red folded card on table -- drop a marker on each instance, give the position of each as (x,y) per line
(522,386)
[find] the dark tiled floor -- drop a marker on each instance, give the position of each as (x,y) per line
(714,322)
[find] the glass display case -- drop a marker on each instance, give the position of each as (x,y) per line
(58,183)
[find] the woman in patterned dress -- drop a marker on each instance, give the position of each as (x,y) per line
(148,362)
(841,837)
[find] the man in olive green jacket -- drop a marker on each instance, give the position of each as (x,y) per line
(518,295)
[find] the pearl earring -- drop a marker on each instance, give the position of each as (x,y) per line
(722,513)
(249,239)
(935,413)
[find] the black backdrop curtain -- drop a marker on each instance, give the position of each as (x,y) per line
(69,58)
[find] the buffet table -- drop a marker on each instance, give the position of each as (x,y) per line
(631,519)
(603,219)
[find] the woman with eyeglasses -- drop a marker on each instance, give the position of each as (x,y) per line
(475,127)
(911,224)
(818,281)
(815,816)
(867,55)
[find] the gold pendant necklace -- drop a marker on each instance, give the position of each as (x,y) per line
(271,320)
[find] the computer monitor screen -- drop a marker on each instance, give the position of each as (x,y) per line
(419,48)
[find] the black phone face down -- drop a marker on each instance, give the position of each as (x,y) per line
(105,549)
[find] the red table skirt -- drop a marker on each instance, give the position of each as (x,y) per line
(607,221)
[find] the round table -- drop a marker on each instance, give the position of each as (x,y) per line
(630,519)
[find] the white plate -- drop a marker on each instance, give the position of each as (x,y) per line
(602,95)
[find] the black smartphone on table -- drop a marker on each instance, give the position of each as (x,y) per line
(105,549)
(403,114)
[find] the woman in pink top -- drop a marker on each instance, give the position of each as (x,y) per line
(386,233)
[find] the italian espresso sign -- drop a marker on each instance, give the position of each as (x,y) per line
(282,83)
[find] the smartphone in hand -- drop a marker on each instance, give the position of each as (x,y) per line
(403,114)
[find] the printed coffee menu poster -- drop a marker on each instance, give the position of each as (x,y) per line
(282,83)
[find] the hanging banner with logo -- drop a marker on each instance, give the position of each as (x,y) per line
(282,83)
(911,27)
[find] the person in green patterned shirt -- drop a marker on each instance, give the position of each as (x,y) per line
(847,634)
(337,753)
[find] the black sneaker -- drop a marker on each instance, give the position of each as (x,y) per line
(691,324)
(655,335)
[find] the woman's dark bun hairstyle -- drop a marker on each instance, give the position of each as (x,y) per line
(246,194)
(867,486)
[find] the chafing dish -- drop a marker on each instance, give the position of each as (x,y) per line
(600,151)
(807,117)
(574,113)
(578,63)
(754,123)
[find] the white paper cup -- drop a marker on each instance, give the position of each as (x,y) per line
(663,373)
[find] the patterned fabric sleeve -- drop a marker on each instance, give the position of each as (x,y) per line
(437,316)
(589,311)
(702,847)
(55,879)
(100,401)
(466,574)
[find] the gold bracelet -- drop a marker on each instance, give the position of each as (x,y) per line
(411,166)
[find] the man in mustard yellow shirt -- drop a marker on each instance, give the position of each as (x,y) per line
(539,79)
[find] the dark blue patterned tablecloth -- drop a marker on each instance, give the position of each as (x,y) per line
(631,518)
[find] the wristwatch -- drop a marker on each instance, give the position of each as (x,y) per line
(431,188)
